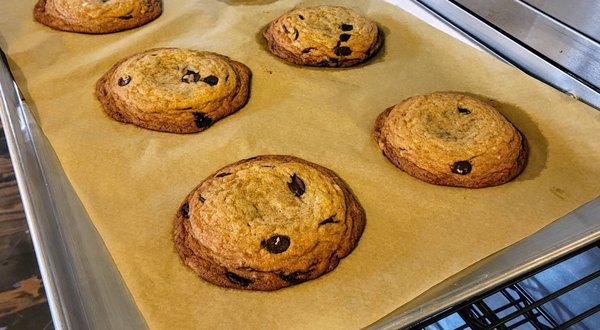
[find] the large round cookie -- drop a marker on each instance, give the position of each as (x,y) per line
(266,223)
(451,139)
(323,36)
(96,16)
(174,90)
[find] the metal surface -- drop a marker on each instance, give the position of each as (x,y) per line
(573,231)
(580,15)
(564,293)
(536,43)
(84,288)
(561,44)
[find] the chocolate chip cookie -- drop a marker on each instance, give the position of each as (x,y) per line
(96,16)
(266,223)
(174,90)
(451,139)
(325,36)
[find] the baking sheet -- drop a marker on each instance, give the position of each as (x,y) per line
(132,180)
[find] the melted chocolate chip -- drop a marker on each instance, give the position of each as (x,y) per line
(344,37)
(462,167)
(220,175)
(202,120)
(464,111)
(126,17)
(237,279)
(190,77)
(124,80)
(276,244)
(346,27)
(331,219)
(202,199)
(301,17)
(211,80)
(323,63)
(307,50)
(297,185)
(185,210)
(293,278)
(342,51)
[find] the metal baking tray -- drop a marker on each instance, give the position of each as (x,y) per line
(85,290)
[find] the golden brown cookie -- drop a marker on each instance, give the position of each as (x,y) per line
(96,16)
(174,90)
(266,223)
(326,36)
(451,139)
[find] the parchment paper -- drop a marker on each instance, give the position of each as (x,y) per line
(131,180)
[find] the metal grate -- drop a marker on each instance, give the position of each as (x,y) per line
(564,294)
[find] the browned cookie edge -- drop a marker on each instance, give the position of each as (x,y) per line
(40,15)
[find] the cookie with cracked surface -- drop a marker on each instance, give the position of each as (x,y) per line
(174,90)
(451,139)
(266,223)
(96,16)
(326,36)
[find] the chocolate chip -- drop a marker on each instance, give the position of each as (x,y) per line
(344,37)
(323,63)
(202,120)
(462,167)
(296,34)
(185,210)
(301,17)
(220,175)
(237,279)
(464,111)
(126,17)
(211,80)
(202,199)
(297,185)
(307,50)
(285,29)
(294,278)
(276,244)
(328,220)
(346,27)
(124,80)
(190,76)
(342,51)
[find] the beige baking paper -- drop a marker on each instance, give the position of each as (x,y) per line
(132,180)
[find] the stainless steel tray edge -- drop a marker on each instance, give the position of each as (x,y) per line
(571,232)
(505,47)
(82,284)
